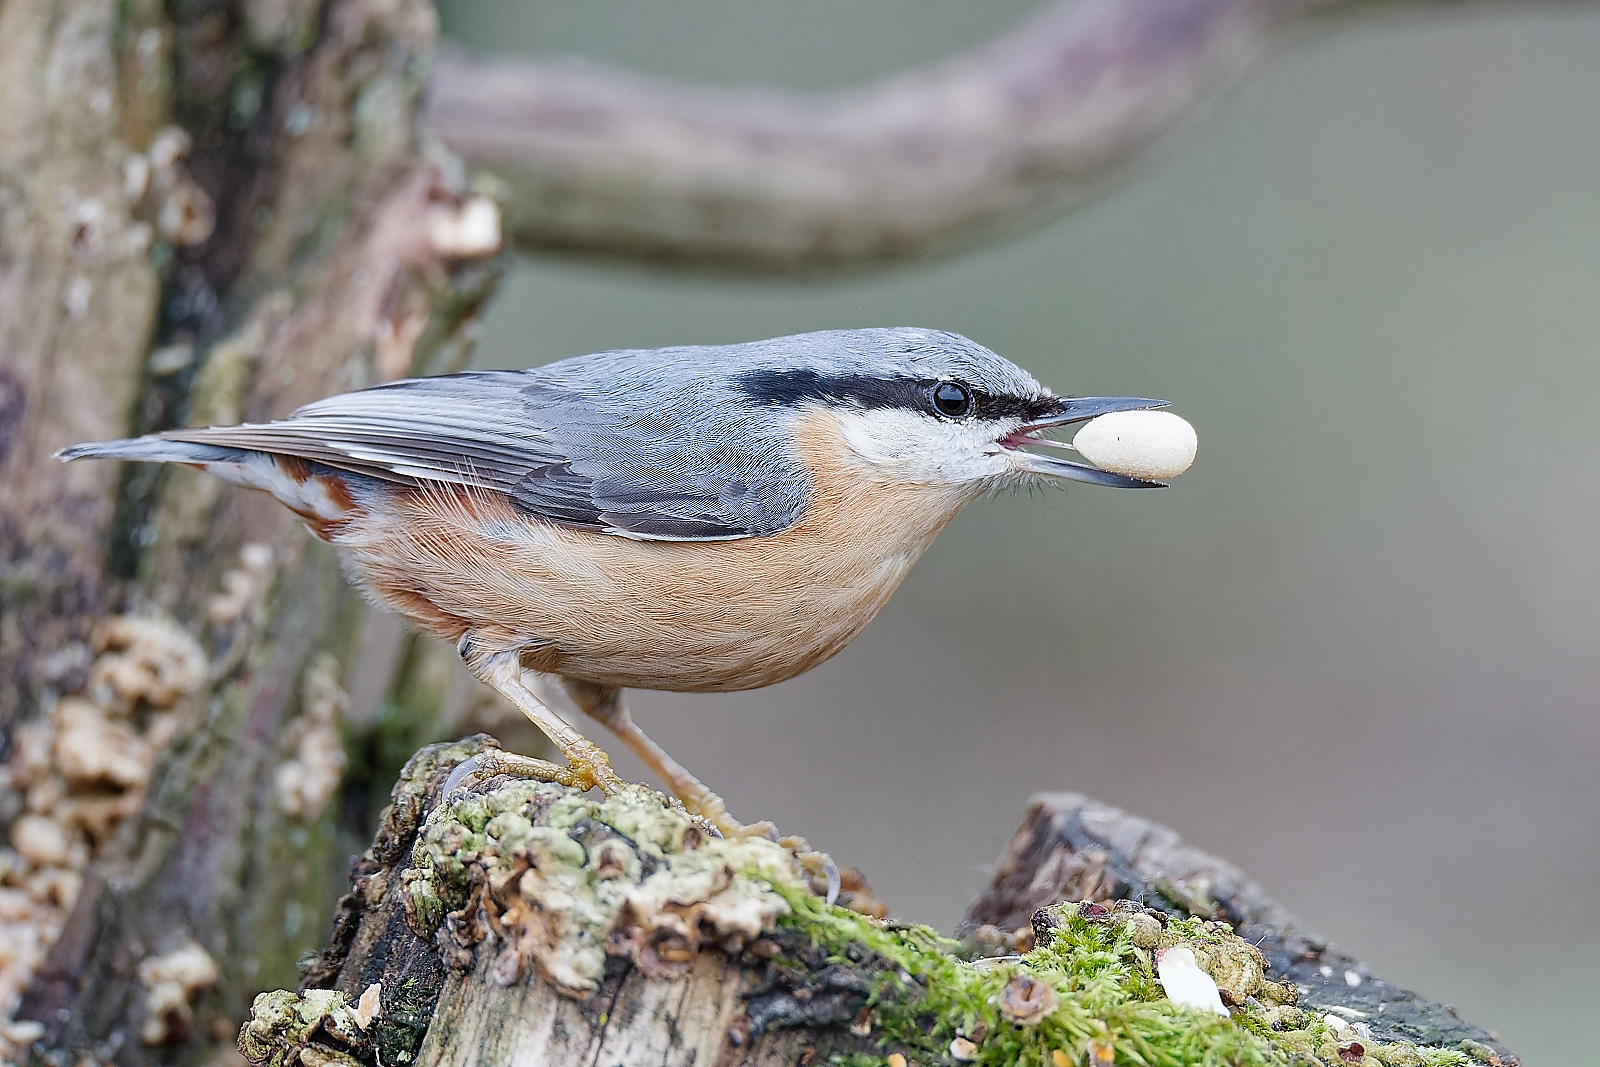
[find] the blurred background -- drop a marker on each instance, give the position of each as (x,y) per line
(1354,650)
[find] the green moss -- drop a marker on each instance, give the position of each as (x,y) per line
(1110,1002)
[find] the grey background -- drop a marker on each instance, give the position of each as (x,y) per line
(1354,650)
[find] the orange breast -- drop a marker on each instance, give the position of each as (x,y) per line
(693,616)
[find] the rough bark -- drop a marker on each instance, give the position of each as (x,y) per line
(523,924)
(75,277)
(210,211)
(917,165)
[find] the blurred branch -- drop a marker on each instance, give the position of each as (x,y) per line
(604,161)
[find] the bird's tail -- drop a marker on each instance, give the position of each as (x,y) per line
(321,498)
(154,448)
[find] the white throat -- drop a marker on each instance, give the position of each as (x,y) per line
(913,447)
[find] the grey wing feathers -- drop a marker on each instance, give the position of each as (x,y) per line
(470,435)
(655,469)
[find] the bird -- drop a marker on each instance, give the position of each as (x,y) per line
(691,519)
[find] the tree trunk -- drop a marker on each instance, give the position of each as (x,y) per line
(209,212)
(524,924)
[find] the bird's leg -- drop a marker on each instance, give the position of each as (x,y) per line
(606,705)
(502,671)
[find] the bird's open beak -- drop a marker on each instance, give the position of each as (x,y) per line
(1073,409)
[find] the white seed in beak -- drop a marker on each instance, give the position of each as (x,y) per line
(1154,445)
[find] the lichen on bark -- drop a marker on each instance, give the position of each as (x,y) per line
(566,882)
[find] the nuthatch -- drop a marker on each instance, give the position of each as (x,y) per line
(701,519)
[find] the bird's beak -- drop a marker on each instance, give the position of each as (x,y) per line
(1074,409)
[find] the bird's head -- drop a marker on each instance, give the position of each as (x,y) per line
(929,407)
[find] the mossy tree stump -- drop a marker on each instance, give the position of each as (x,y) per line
(519,922)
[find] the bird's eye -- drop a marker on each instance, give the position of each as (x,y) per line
(951,399)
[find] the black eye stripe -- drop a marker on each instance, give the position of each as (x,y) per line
(1028,409)
(793,387)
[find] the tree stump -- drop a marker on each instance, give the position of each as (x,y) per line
(520,922)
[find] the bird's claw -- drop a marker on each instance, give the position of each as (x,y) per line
(460,773)
(819,865)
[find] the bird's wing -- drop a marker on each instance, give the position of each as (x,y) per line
(663,470)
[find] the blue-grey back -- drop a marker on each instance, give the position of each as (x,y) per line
(690,443)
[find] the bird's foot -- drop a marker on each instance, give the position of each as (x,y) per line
(592,768)
(584,771)
(819,867)
(710,808)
